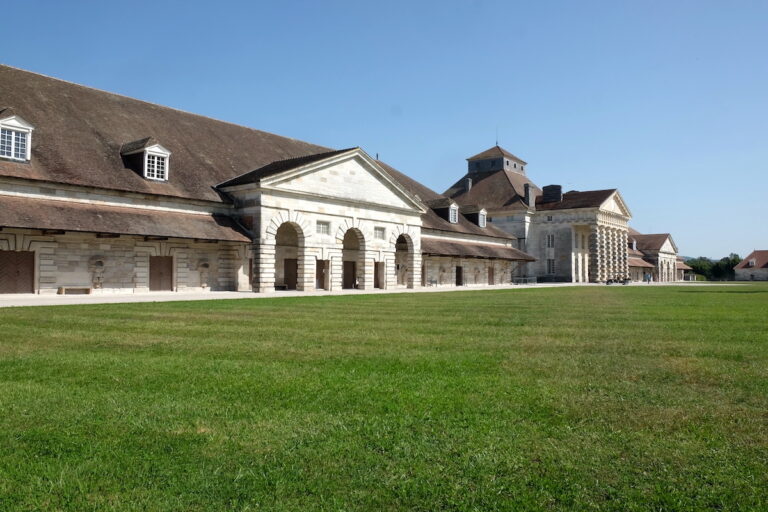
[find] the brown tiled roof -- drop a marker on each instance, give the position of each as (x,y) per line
(496,190)
(137,145)
(760,257)
(280,166)
(635,253)
(435,247)
(638,262)
(22,212)
(682,266)
(574,199)
(650,242)
(79,132)
(432,220)
(494,152)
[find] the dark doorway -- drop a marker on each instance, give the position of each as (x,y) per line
(291,266)
(490,275)
(350,271)
(320,273)
(378,274)
(459,276)
(17,272)
(161,273)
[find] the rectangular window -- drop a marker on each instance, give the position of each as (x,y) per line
(156,167)
(454,215)
(550,266)
(549,218)
(13,144)
(550,241)
(481,220)
(379,233)
(323,228)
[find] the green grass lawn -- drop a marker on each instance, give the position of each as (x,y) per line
(602,398)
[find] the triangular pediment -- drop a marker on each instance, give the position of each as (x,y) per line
(615,204)
(669,245)
(351,176)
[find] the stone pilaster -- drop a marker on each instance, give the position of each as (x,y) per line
(306,271)
(264,273)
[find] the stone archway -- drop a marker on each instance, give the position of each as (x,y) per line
(405,261)
(289,249)
(353,259)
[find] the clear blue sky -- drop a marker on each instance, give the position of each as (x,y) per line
(665,100)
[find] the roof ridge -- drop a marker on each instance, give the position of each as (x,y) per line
(166,107)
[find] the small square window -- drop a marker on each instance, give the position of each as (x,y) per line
(379,233)
(549,218)
(323,228)
(13,144)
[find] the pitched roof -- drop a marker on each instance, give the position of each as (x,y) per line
(22,212)
(432,220)
(760,257)
(682,266)
(279,166)
(652,242)
(471,250)
(495,152)
(79,132)
(137,145)
(575,199)
(496,190)
(638,262)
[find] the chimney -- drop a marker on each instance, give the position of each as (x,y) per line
(530,196)
(552,194)
(468,184)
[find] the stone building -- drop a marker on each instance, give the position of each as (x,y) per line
(103,193)
(660,252)
(574,236)
(753,268)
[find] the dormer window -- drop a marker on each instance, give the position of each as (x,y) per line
(156,167)
(15,138)
(151,156)
(481,219)
(453,214)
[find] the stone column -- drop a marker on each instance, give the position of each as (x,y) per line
(595,254)
(307,266)
(264,271)
(365,270)
(336,268)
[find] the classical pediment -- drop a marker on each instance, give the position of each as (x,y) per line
(350,176)
(615,204)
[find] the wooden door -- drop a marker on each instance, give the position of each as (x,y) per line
(161,273)
(490,275)
(291,266)
(350,270)
(320,271)
(459,276)
(17,272)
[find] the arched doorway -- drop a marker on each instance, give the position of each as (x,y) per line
(288,251)
(352,257)
(404,261)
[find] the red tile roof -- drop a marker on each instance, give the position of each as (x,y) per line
(575,199)
(471,250)
(760,260)
(638,262)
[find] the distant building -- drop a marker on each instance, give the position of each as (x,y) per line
(575,236)
(660,251)
(753,268)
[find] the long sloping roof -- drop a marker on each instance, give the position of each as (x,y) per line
(575,199)
(437,247)
(22,212)
(760,257)
(638,262)
(495,190)
(79,132)
(432,220)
